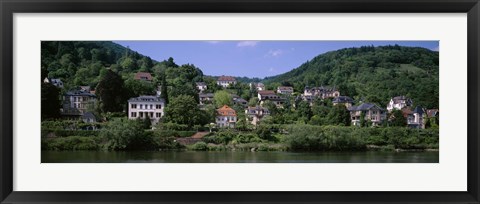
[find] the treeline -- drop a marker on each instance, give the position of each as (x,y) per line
(373,74)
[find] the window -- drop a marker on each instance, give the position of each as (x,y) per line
(141,106)
(134,106)
(157,115)
(158,106)
(151,106)
(151,114)
(133,114)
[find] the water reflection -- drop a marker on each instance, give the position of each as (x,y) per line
(237,157)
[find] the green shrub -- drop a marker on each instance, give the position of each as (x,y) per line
(69,143)
(199,146)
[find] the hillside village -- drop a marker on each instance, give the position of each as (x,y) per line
(76,102)
(101,96)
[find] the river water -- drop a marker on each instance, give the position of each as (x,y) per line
(237,157)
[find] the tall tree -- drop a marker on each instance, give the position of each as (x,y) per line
(111,92)
(50,101)
(184,110)
(164,88)
(397,119)
(222,98)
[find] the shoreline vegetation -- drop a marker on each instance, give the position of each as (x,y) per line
(122,134)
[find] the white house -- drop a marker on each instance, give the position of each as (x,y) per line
(226,117)
(287,90)
(56,82)
(270,96)
(201,86)
(255,114)
(398,103)
(322,92)
(225,81)
(146,106)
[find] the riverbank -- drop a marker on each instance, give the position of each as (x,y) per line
(304,138)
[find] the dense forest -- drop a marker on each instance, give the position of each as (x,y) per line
(372,74)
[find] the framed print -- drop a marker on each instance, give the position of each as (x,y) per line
(256,102)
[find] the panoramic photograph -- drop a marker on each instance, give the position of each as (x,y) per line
(241,101)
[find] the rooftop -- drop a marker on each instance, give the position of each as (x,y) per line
(226,111)
(146,99)
(226,78)
(143,75)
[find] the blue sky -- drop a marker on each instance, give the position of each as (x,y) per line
(250,58)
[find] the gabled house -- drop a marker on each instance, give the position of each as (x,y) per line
(240,101)
(260,87)
(255,114)
(343,100)
(287,90)
(398,103)
(372,112)
(77,101)
(56,82)
(201,86)
(225,81)
(145,76)
(415,117)
(226,117)
(146,106)
(270,96)
(206,98)
(322,92)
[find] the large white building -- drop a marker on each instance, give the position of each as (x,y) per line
(225,81)
(146,106)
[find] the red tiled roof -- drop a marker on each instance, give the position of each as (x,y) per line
(226,111)
(143,75)
(226,78)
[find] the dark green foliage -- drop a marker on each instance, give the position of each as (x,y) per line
(69,143)
(50,101)
(375,73)
(199,146)
(339,115)
(397,119)
(184,110)
(122,134)
(111,92)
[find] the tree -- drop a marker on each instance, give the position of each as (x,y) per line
(253,102)
(222,98)
(304,110)
(50,101)
(164,88)
(339,115)
(184,110)
(397,119)
(111,92)
(363,121)
(147,123)
(120,133)
(139,87)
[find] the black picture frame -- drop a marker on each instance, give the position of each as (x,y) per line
(9,7)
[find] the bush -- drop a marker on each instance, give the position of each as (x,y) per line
(70,143)
(67,133)
(199,146)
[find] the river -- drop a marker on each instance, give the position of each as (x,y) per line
(237,157)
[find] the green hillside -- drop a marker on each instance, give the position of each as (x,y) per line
(373,74)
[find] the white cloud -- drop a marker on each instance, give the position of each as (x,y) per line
(275,53)
(247,43)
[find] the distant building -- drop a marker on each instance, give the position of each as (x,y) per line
(89,117)
(226,117)
(255,114)
(322,92)
(240,101)
(373,113)
(343,100)
(206,98)
(287,90)
(56,82)
(145,76)
(415,117)
(225,81)
(77,101)
(398,103)
(257,86)
(201,86)
(143,106)
(270,96)
(431,113)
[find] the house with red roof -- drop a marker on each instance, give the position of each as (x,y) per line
(145,76)
(226,117)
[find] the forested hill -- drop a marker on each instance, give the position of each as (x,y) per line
(83,62)
(374,74)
